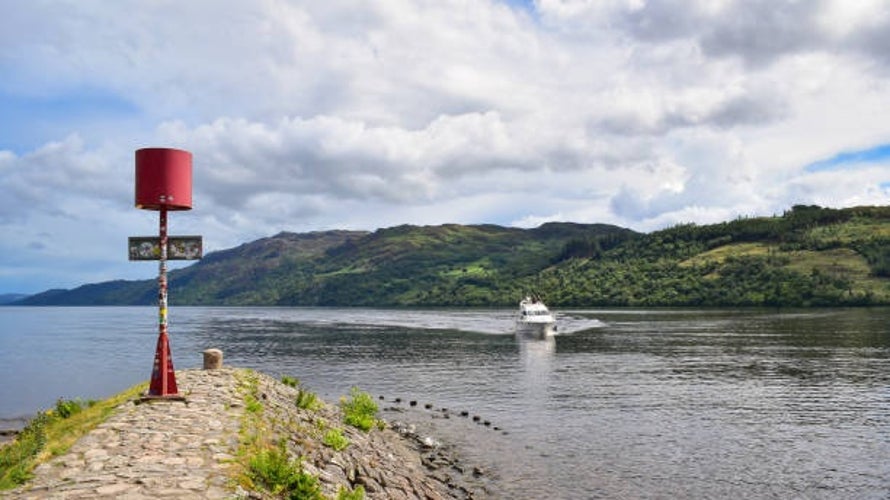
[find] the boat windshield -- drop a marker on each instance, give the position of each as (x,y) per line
(535,313)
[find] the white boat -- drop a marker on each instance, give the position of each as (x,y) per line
(535,320)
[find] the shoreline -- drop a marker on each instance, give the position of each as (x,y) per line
(190,450)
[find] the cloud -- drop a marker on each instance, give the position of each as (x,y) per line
(353,160)
(56,177)
(839,188)
(756,33)
(318,115)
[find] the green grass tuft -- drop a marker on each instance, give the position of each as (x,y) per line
(252,404)
(275,472)
(307,400)
(335,439)
(359,410)
(357,494)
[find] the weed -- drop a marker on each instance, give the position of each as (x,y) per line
(335,439)
(359,410)
(290,381)
(307,400)
(274,471)
(16,458)
(252,404)
(321,425)
(357,494)
(67,407)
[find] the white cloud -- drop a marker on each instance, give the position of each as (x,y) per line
(317,115)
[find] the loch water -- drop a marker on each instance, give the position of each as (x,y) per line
(623,403)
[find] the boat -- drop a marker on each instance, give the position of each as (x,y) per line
(535,320)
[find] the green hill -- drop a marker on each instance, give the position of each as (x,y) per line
(405,265)
(809,256)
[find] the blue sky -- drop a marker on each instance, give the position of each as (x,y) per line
(852,159)
(29,120)
(306,116)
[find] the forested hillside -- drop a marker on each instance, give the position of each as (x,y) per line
(809,256)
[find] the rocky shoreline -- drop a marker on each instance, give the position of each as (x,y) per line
(190,450)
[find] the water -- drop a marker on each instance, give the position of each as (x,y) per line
(622,404)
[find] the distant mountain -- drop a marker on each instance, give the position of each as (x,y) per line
(9,298)
(404,265)
(808,256)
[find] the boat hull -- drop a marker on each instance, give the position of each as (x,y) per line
(536,330)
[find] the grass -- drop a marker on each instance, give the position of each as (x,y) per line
(720,254)
(476,269)
(273,470)
(851,231)
(335,439)
(357,494)
(252,404)
(353,269)
(52,432)
(306,400)
(359,410)
(837,262)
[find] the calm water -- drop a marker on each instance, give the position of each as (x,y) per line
(622,404)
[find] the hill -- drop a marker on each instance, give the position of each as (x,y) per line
(808,256)
(8,298)
(404,265)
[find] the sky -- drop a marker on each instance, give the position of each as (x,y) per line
(308,116)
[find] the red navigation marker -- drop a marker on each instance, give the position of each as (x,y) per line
(163,183)
(163,179)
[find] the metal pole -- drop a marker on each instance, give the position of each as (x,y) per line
(162,301)
(163,378)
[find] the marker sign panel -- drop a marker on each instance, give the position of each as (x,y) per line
(178,248)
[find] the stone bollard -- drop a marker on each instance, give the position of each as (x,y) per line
(212,359)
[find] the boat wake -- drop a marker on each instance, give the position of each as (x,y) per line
(485,321)
(491,322)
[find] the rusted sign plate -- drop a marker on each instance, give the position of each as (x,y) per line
(178,248)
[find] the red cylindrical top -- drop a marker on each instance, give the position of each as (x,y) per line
(163,179)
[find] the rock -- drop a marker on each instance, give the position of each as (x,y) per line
(430,443)
(213,359)
(370,485)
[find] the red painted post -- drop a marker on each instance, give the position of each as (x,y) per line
(163,376)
